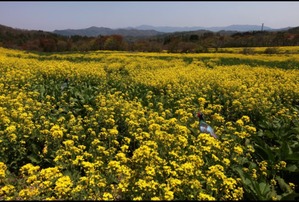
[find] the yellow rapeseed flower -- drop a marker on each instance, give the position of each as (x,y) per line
(56,132)
(273,182)
(226,161)
(155,198)
(11,129)
(7,190)
(239,122)
(107,196)
(3,169)
(245,118)
(238,150)
(292,185)
(205,197)
(50,173)
(113,131)
(263,165)
(29,169)
(28,193)
(254,175)
(63,186)
(138,198)
(168,195)
(150,170)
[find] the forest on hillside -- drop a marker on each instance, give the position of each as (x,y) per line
(177,42)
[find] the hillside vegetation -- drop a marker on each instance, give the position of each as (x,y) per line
(193,41)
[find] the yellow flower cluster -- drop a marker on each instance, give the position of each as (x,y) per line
(125,128)
(3,169)
(63,186)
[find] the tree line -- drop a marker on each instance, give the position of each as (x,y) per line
(180,42)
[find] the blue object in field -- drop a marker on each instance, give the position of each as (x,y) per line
(204,127)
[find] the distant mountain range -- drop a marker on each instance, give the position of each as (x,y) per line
(239,28)
(96,31)
(147,30)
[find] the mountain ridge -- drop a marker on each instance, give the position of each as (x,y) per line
(215,28)
(96,31)
(148,30)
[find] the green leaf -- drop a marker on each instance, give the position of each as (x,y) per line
(295,130)
(292,157)
(247,142)
(42,91)
(292,196)
(264,124)
(285,150)
(249,184)
(33,158)
(264,188)
(34,148)
(292,168)
(276,124)
(264,152)
(269,134)
(283,185)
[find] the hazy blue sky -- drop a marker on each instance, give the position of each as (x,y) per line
(49,16)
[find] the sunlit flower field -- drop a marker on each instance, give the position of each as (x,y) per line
(123,126)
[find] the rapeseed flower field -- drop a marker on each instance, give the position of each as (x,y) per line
(107,125)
